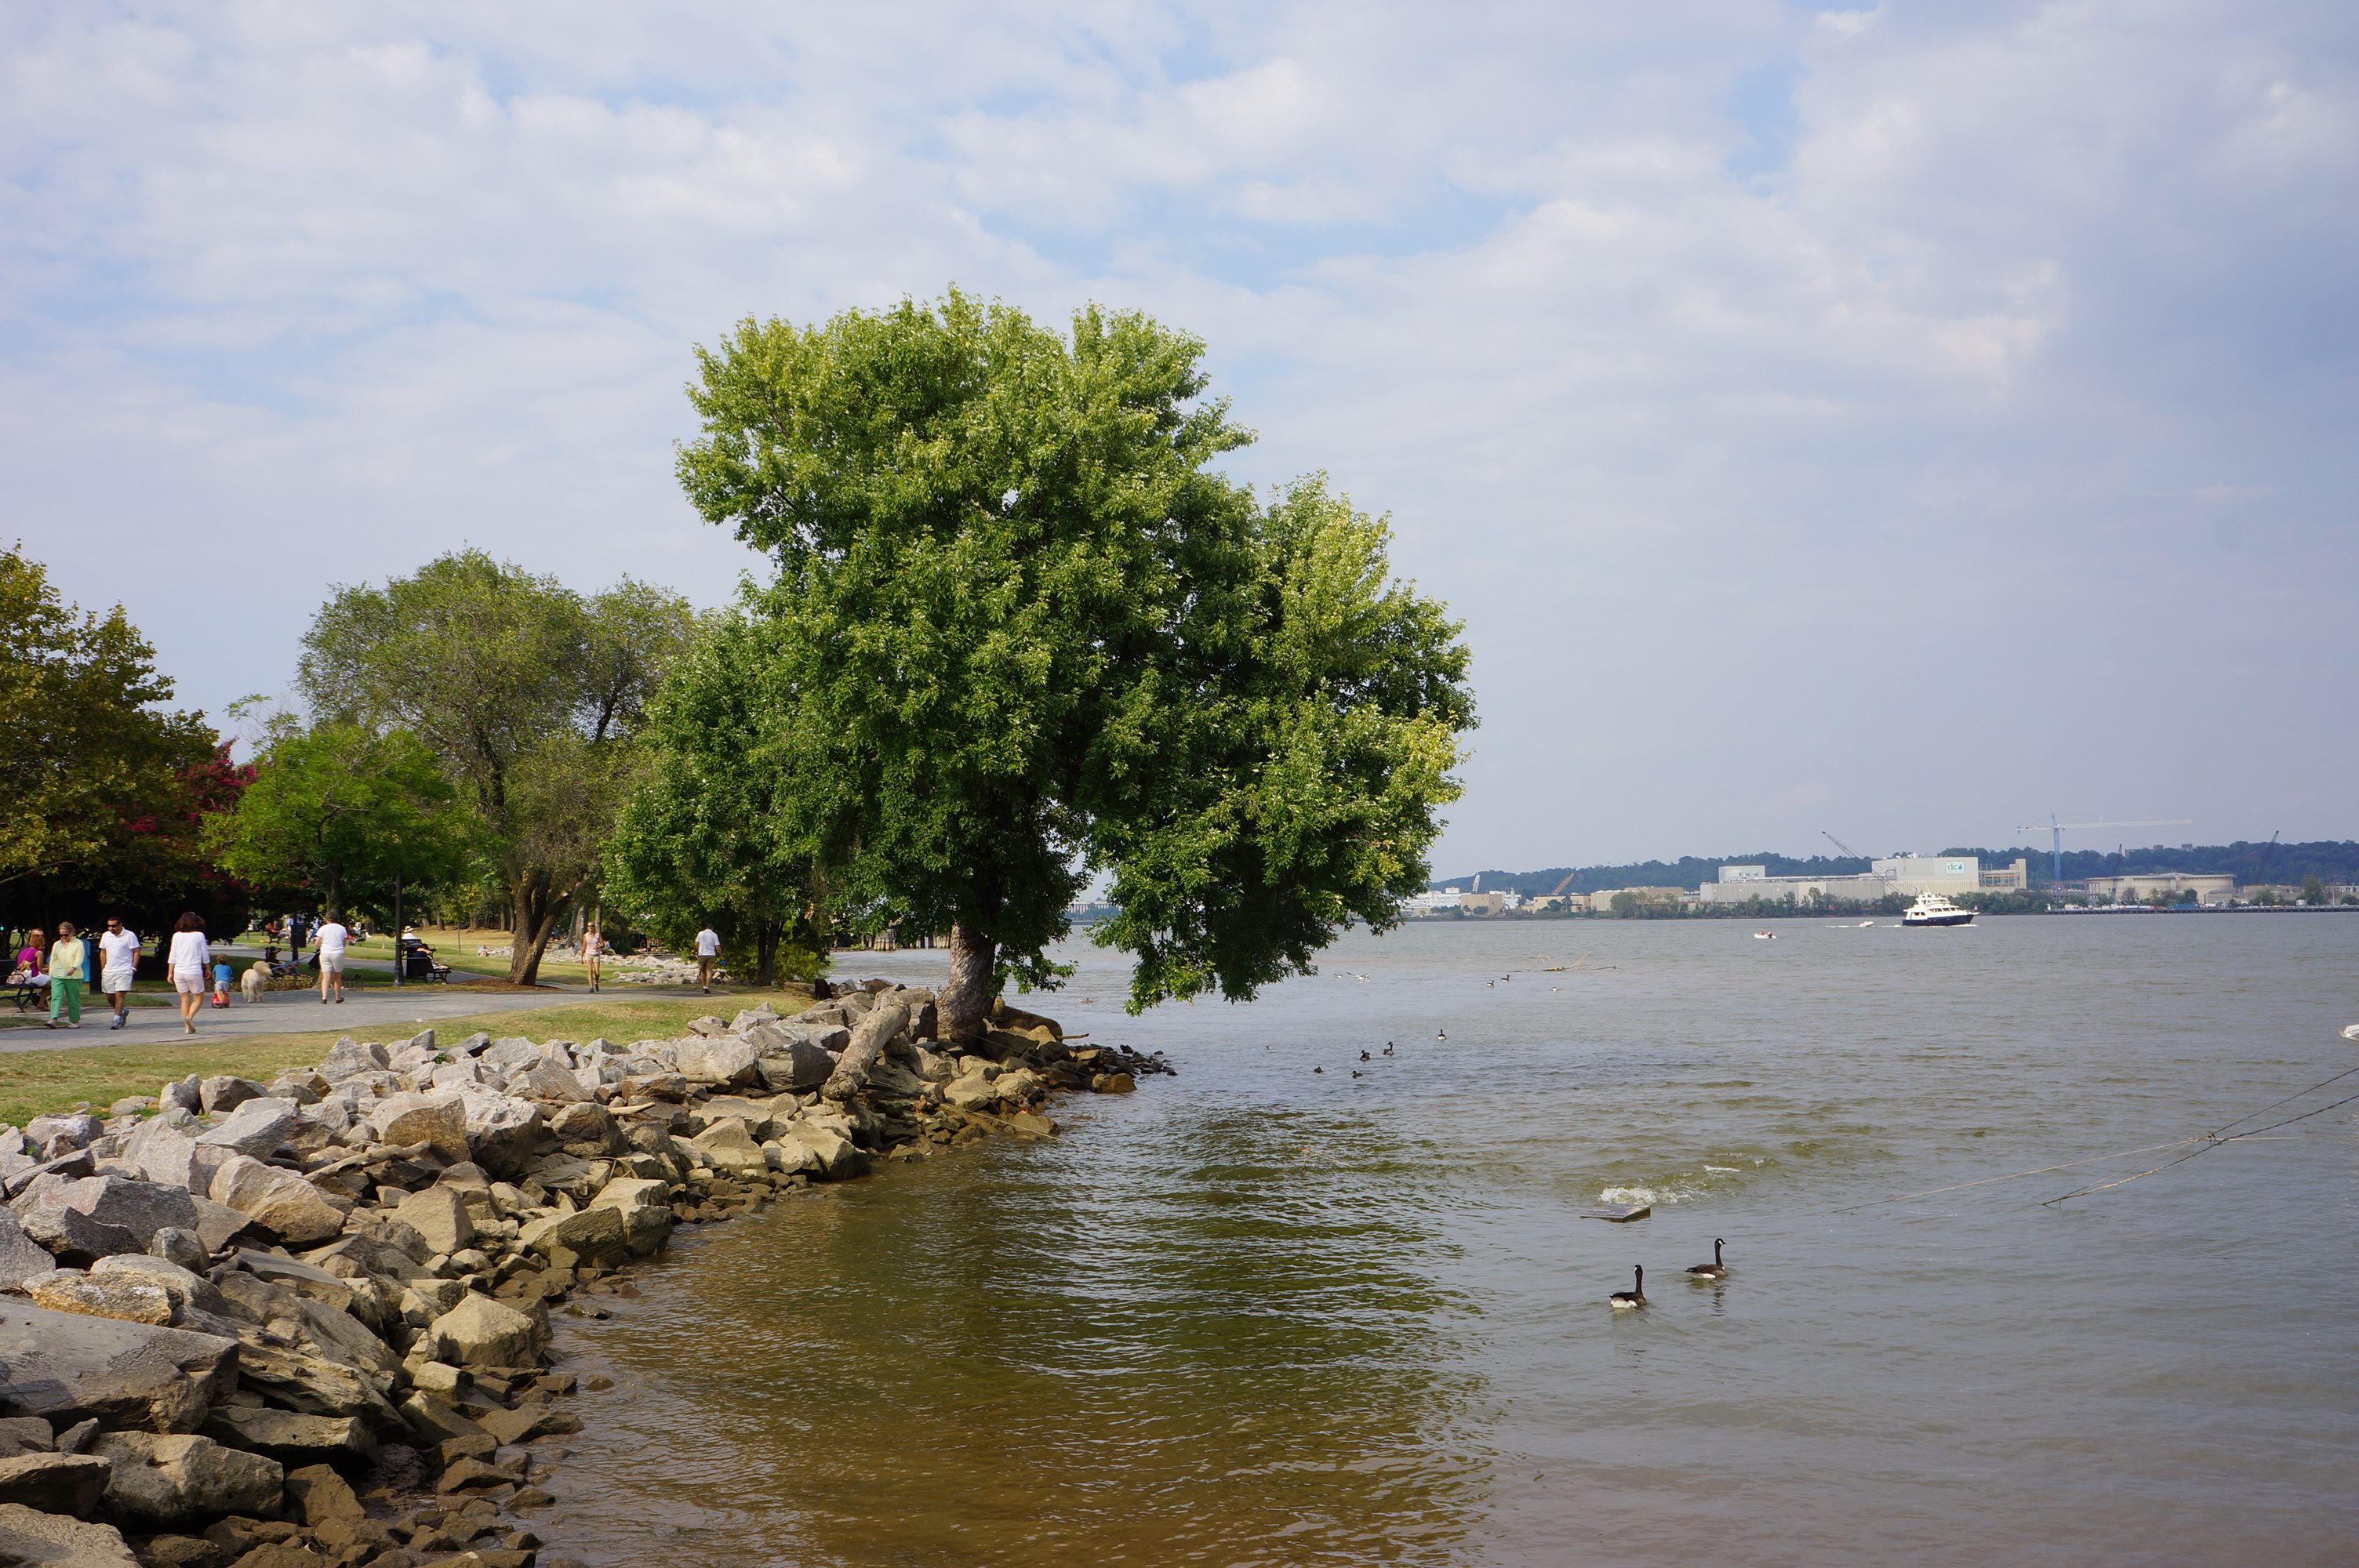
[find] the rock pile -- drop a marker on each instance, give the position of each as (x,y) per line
(307,1323)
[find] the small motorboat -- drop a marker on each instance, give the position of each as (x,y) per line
(1765,937)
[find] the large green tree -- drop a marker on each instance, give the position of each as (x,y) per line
(97,782)
(707,834)
(1021,637)
(526,694)
(342,812)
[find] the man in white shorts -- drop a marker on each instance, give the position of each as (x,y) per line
(331,938)
(708,957)
(118,961)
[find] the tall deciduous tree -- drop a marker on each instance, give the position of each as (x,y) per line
(706,835)
(89,766)
(526,692)
(342,812)
(1020,637)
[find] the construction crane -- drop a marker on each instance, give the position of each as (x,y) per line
(1564,885)
(2058,829)
(1846,848)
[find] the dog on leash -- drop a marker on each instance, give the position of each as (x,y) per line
(251,981)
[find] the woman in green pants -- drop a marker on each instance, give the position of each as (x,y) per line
(67,957)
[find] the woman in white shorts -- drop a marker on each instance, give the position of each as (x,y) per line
(189,958)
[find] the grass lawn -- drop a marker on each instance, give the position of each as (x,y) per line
(33,1082)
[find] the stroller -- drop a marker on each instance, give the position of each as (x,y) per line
(418,962)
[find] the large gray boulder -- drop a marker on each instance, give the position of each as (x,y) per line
(600,1234)
(510,1054)
(157,1478)
(183,1287)
(277,1202)
(837,1155)
(142,1208)
(718,1059)
(349,1058)
(67,1368)
(74,1240)
(21,1257)
(216,1095)
(440,1214)
(56,1541)
(256,1128)
(436,1120)
(51,1136)
(55,1483)
(587,1129)
(796,1067)
(71,1290)
(187,1094)
(291,1438)
(731,1147)
(645,1203)
(162,1153)
(216,1223)
(503,1131)
(546,1081)
(481,1333)
(312,1384)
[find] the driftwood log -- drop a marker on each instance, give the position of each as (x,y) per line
(869,1038)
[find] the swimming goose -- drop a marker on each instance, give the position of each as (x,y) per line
(1365,1057)
(1388,1047)
(1442,1035)
(1636,1296)
(1715,1270)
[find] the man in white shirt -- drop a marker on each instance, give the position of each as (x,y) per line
(708,955)
(331,938)
(118,961)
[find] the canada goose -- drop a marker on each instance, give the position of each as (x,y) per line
(1636,1296)
(1318,1069)
(1715,1270)
(1355,1072)
(1442,1034)
(1365,1056)
(1388,1047)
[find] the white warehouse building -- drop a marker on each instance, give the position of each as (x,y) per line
(1906,875)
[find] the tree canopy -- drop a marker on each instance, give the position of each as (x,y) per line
(1020,637)
(705,837)
(525,692)
(99,788)
(341,813)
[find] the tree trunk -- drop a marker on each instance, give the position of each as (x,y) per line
(539,907)
(966,1002)
(868,1043)
(766,954)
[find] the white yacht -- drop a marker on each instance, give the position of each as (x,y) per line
(1932,909)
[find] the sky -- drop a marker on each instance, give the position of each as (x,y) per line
(1900,422)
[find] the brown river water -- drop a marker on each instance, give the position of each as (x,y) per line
(1255,1314)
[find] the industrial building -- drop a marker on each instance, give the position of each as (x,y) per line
(2141,886)
(1908,875)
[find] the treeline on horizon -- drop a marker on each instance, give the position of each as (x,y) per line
(2249,863)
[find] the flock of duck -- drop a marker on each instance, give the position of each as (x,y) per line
(1703,1273)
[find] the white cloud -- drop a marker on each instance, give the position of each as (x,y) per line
(1713,359)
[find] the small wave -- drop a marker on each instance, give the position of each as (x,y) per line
(1646,1195)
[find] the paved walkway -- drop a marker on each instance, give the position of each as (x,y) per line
(379,1014)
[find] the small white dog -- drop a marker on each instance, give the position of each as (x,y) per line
(251,981)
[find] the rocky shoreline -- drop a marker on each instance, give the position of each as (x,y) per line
(307,1323)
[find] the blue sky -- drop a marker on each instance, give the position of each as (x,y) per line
(1905,421)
